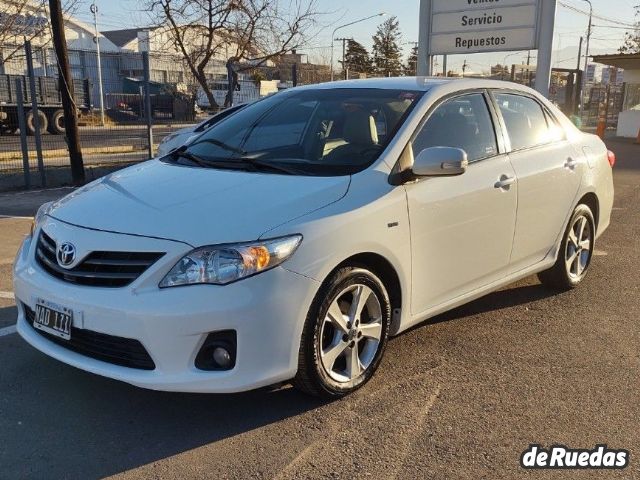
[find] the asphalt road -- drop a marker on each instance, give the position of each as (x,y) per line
(458,398)
(93,137)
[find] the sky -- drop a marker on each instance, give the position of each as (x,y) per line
(607,36)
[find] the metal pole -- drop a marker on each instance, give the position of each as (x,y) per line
(35,111)
(444,66)
(22,124)
(94,10)
(344,49)
(331,63)
(586,55)
(147,101)
(577,94)
(545,45)
(424,65)
(43,54)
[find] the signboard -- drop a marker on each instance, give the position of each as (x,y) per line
(472,26)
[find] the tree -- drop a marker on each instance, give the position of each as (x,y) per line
(243,33)
(632,39)
(386,49)
(411,68)
(357,58)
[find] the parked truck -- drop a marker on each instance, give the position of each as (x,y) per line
(50,110)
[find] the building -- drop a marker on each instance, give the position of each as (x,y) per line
(629,118)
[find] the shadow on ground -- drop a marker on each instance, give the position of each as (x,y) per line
(101,427)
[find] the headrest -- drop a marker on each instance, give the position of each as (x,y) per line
(360,128)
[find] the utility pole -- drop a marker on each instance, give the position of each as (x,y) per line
(65,81)
(344,40)
(94,10)
(577,94)
(586,55)
(464,67)
(444,66)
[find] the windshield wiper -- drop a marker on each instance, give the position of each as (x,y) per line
(189,156)
(220,144)
(258,164)
(235,162)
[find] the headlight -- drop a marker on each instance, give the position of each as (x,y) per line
(223,264)
(44,209)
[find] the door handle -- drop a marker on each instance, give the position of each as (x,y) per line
(505,182)
(571,163)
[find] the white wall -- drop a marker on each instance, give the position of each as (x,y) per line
(629,123)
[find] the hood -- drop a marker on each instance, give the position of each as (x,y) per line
(198,206)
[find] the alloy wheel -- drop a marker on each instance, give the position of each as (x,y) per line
(579,247)
(351,332)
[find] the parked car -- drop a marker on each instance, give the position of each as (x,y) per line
(290,241)
(185,135)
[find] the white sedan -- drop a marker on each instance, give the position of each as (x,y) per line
(289,242)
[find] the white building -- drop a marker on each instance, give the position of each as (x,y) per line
(629,118)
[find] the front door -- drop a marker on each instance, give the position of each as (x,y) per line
(461,227)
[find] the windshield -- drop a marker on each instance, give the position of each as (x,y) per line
(316,132)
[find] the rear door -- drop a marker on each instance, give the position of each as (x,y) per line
(549,172)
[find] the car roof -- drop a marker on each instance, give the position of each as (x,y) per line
(418,83)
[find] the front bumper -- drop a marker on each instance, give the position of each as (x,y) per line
(267,311)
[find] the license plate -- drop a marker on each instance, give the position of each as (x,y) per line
(53,319)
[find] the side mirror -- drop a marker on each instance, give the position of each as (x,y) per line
(440,161)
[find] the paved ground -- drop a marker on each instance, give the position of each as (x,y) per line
(459,398)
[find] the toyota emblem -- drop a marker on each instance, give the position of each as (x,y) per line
(66,254)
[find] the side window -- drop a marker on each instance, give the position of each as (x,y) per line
(556,132)
(462,122)
(525,121)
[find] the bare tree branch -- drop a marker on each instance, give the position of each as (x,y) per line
(242,33)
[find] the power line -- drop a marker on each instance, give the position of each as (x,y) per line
(598,16)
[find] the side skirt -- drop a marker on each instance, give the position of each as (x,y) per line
(475,294)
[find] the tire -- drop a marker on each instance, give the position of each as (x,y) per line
(31,127)
(576,251)
(56,123)
(328,347)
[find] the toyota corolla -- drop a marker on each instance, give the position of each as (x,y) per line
(290,241)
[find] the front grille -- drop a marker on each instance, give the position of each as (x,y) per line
(124,352)
(98,269)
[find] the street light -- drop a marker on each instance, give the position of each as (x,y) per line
(333,35)
(586,57)
(94,10)
(504,62)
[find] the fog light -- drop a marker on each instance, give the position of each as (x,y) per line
(218,352)
(222,357)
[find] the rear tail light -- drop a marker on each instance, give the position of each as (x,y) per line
(611,157)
